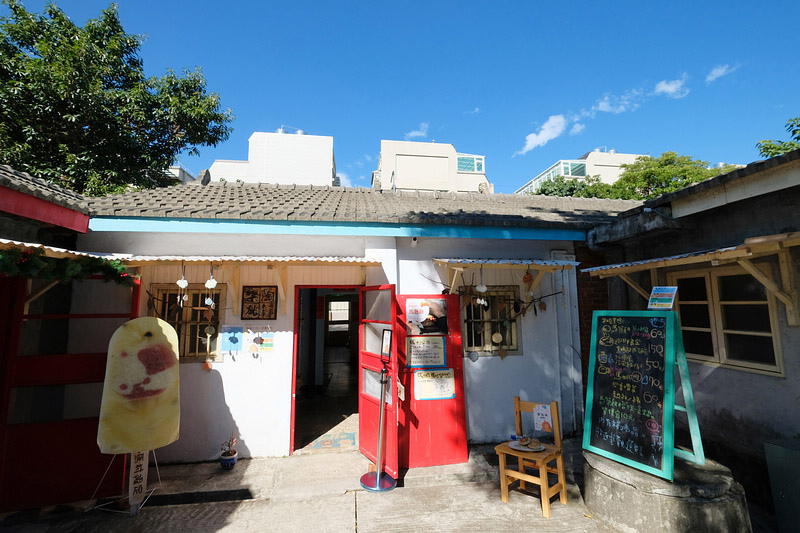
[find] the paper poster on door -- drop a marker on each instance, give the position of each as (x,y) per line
(434,384)
(425,352)
(426,316)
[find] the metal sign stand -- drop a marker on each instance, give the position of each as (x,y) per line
(380,481)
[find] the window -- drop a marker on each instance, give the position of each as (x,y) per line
(196,322)
(492,327)
(728,318)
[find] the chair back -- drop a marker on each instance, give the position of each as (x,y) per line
(528,407)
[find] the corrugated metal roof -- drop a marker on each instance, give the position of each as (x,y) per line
(138,259)
(509,263)
(49,251)
(296,260)
(750,248)
(649,263)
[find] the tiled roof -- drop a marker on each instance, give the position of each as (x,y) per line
(43,189)
(261,201)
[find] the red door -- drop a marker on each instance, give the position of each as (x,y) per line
(432,418)
(378,314)
(48,429)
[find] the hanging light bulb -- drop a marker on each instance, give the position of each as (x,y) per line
(481,287)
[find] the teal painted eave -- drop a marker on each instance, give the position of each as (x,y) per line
(354,229)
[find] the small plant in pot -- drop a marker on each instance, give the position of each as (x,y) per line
(229,454)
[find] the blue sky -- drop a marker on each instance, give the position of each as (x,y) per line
(523,83)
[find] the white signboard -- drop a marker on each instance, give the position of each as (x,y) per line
(434,384)
(425,351)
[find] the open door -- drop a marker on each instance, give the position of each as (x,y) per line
(378,312)
(432,419)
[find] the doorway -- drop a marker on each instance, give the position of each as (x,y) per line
(326,370)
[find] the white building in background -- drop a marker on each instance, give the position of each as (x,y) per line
(605,165)
(283,158)
(405,165)
(181,173)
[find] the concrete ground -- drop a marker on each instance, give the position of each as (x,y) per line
(315,490)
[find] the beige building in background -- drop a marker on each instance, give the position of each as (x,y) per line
(604,164)
(405,165)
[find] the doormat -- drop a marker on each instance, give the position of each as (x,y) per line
(335,440)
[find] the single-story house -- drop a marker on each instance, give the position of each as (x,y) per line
(479,291)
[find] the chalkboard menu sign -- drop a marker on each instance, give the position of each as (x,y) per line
(630,399)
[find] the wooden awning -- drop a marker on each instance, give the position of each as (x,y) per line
(742,254)
(455,267)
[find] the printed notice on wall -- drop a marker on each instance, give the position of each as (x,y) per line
(542,419)
(662,298)
(434,384)
(425,352)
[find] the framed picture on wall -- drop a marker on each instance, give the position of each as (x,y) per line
(259,302)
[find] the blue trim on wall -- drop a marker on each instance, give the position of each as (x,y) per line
(360,229)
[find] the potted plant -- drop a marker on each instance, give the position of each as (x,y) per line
(229,454)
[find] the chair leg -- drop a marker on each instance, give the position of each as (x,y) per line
(503,478)
(544,486)
(562,479)
(521,468)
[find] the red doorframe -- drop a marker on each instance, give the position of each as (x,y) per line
(297,289)
(71,469)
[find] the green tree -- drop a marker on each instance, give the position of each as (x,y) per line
(589,187)
(647,178)
(772,148)
(77,109)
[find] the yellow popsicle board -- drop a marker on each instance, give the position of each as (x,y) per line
(140,409)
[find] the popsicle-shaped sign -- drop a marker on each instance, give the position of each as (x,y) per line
(140,409)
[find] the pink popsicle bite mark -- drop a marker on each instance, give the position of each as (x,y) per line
(156,358)
(123,387)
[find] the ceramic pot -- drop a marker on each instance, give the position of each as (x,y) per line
(227,461)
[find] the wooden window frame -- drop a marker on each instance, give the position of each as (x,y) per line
(489,348)
(720,357)
(164,292)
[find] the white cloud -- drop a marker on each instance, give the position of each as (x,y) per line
(368,158)
(553,127)
(344,179)
(719,71)
(577,128)
(672,88)
(474,111)
(610,103)
(421,132)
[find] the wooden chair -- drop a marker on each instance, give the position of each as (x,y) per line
(540,461)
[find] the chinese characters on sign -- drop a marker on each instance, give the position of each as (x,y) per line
(259,302)
(137,482)
(434,384)
(425,352)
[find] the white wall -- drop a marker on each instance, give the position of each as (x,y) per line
(607,164)
(281,158)
(252,396)
(549,367)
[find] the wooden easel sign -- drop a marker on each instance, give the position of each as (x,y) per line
(630,401)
